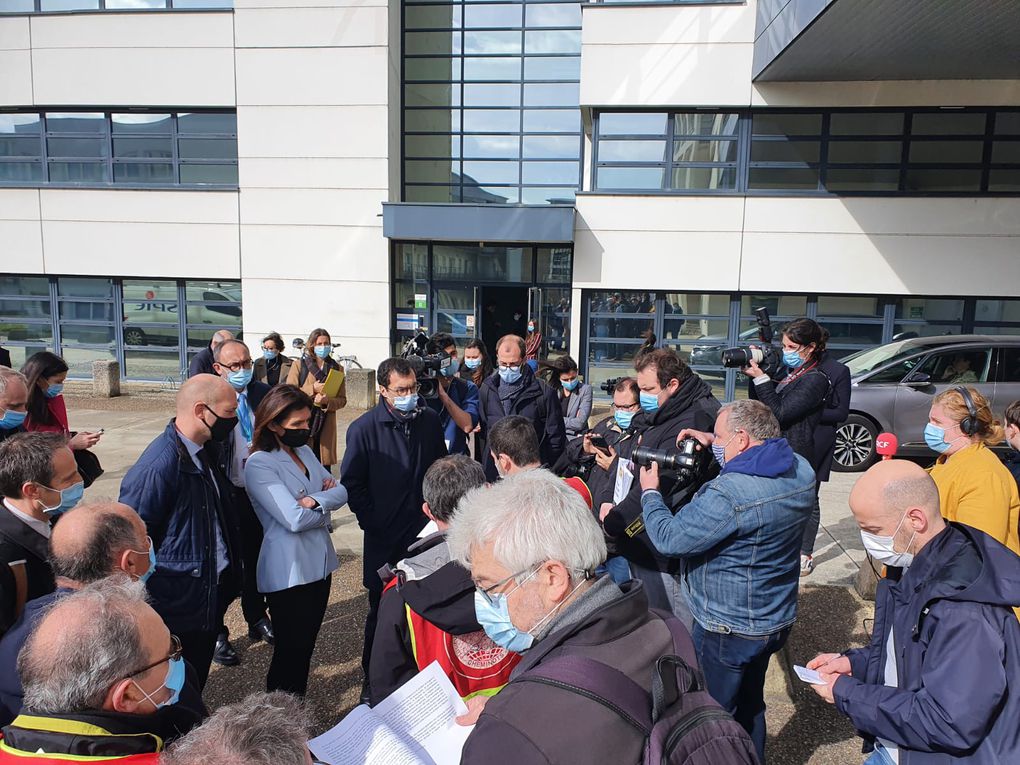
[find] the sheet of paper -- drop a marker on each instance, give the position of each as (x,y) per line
(624,479)
(362,737)
(424,710)
(808,675)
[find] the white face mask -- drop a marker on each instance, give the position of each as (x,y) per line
(882,548)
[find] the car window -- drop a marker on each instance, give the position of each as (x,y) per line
(958,367)
(1009,365)
(896,372)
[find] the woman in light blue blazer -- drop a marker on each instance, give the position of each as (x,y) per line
(293,495)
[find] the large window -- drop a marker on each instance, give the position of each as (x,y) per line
(699,326)
(491,102)
(133,149)
(763,151)
(45,6)
(138,322)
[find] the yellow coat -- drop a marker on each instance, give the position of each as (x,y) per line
(975,488)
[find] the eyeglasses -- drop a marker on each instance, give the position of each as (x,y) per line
(405,391)
(628,407)
(175,653)
(488,592)
(507,365)
(236,367)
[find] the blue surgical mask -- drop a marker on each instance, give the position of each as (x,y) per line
(495,620)
(935,437)
(792,359)
(12,420)
(152,565)
(322,351)
(240,379)
(570,384)
(649,401)
(623,419)
(472,363)
(719,452)
(174,683)
(54,390)
(510,375)
(270,355)
(405,403)
(454,367)
(69,497)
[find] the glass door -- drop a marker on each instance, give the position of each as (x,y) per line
(455,312)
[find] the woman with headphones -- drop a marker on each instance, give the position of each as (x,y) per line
(975,488)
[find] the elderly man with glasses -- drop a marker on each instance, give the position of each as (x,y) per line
(103,700)
(389,449)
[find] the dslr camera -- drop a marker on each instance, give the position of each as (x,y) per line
(689,460)
(765,355)
(427,366)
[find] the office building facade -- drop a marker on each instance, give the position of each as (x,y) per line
(613,169)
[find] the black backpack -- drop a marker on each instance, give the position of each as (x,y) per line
(681,723)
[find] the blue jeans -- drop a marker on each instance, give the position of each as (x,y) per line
(879,757)
(664,591)
(734,667)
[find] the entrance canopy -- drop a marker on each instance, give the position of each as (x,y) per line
(479,223)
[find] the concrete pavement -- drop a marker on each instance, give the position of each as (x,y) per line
(803,729)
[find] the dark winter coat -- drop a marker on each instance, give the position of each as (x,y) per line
(382,470)
(181,508)
(692,406)
(798,407)
(18,541)
(957,645)
(537,402)
(531,723)
(837,409)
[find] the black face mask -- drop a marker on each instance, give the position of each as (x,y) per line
(220,430)
(295,437)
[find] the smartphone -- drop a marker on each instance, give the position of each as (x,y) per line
(100,431)
(600,443)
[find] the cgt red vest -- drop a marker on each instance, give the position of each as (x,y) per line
(59,735)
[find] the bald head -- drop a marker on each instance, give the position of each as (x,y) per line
(897,494)
(95,540)
(200,402)
(221,337)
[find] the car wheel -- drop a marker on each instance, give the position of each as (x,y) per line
(855,445)
(133,336)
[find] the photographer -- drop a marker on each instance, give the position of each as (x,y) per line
(457,399)
(672,399)
(389,448)
(740,540)
(797,397)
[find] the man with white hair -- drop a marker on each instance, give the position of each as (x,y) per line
(13,402)
(96,671)
(532,547)
(263,729)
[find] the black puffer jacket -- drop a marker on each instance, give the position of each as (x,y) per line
(692,406)
(798,406)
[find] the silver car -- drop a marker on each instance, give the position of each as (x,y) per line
(894,384)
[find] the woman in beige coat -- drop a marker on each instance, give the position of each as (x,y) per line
(309,374)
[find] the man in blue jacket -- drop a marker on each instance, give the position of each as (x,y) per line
(740,539)
(389,449)
(179,490)
(940,680)
(514,389)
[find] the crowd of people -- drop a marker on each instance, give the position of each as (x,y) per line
(584,576)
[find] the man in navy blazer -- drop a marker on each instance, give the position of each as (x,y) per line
(232,361)
(389,448)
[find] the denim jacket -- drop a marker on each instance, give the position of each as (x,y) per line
(740,538)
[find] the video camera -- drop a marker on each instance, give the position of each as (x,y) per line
(427,366)
(609,386)
(689,460)
(765,355)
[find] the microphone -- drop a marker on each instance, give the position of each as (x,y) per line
(886,444)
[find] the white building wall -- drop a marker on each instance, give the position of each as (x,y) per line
(313,122)
(700,55)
